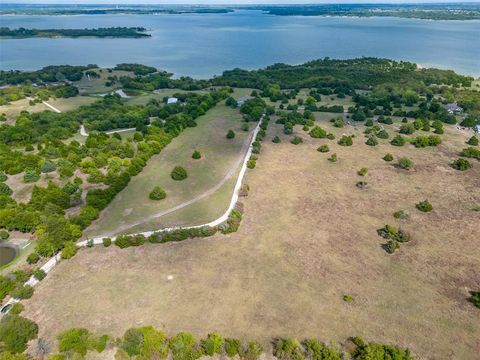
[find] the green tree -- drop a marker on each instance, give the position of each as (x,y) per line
(230,134)
(179,173)
(157,193)
(16,331)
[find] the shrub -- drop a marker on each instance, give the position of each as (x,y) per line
(252,351)
(5,189)
(245,127)
(339,123)
(405,163)
(362,185)
(30,176)
(469,152)
(398,140)
(33,258)
(22,292)
(230,134)
(345,141)
(157,193)
(461,164)
(407,129)
(391,246)
(323,148)
(178,173)
(124,241)
(233,347)
(3,177)
(363,171)
(196,155)
(16,331)
(383,134)
(330,137)
(48,166)
(475,298)
(296,140)
(287,349)
(333,158)
(424,206)
(107,242)
(400,214)
(4,235)
(473,141)
(318,133)
(16,308)
(146,341)
(251,163)
(213,344)
(369,122)
(39,274)
(69,250)
(347,298)
(392,233)
(76,340)
(388,157)
(276,140)
(317,351)
(184,347)
(372,141)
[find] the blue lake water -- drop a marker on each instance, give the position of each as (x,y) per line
(202,45)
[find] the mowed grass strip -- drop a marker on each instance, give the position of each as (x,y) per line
(219,155)
(308,237)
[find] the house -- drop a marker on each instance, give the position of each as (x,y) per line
(172,100)
(243,99)
(452,108)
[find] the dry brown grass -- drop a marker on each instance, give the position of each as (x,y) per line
(308,237)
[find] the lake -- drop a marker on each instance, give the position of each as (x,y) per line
(202,45)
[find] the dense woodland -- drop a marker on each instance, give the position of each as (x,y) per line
(117,32)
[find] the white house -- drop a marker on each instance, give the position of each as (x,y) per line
(172,100)
(452,108)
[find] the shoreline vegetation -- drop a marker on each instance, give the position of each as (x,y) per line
(446,11)
(114,32)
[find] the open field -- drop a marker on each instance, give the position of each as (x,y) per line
(219,155)
(97,85)
(307,238)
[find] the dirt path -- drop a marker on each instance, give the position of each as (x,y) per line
(197,198)
(51,107)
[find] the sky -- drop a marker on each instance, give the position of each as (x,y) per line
(229,2)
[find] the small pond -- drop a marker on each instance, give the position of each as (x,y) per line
(7,254)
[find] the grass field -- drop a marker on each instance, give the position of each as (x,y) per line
(218,156)
(308,237)
(97,85)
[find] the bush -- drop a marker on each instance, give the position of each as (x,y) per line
(323,148)
(76,340)
(318,133)
(424,206)
(5,189)
(383,134)
(347,298)
(276,140)
(392,233)
(233,347)
(213,344)
(401,214)
(124,241)
(33,258)
(372,141)
(252,351)
(391,246)
(230,134)
(251,163)
(22,292)
(461,164)
(369,122)
(333,158)
(388,157)
(145,341)
(287,349)
(196,155)
(39,274)
(475,298)
(398,140)
(16,308)
(48,166)
(15,332)
(363,171)
(405,163)
(178,173)
(330,137)
(3,177)
(296,140)
(4,235)
(30,176)
(473,141)
(469,152)
(107,242)
(339,123)
(184,347)
(362,185)
(317,351)
(245,127)
(157,193)
(69,250)
(345,141)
